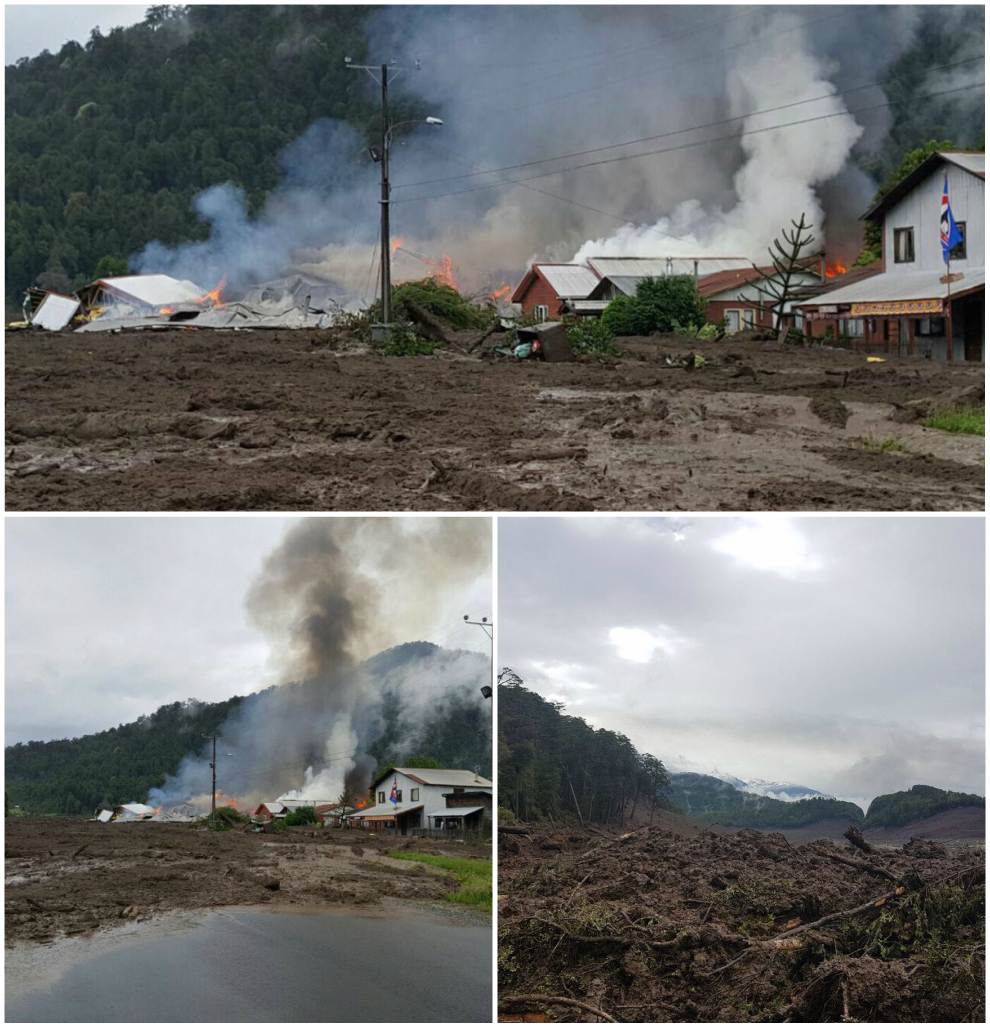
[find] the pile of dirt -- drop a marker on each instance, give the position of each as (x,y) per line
(305,420)
(67,877)
(659,925)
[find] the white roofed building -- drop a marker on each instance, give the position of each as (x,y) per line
(906,307)
(416,799)
(546,287)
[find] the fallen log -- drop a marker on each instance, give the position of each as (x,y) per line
(861,865)
(430,323)
(855,837)
(513,830)
(564,1001)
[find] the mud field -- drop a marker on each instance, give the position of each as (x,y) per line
(741,927)
(184,420)
(65,877)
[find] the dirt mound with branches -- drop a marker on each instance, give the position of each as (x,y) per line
(656,926)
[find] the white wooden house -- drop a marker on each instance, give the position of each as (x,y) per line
(904,309)
(407,799)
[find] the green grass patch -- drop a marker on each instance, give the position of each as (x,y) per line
(473,874)
(888,445)
(967,420)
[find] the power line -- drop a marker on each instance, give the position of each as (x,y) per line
(687,146)
(672,132)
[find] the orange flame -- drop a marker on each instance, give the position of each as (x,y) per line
(223,800)
(167,310)
(214,296)
(443,272)
(835,268)
(396,245)
(502,293)
(360,804)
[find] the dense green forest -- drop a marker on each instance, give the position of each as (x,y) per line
(553,764)
(916,803)
(710,799)
(107,143)
(75,776)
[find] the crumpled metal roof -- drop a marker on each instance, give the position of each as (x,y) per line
(901,285)
(153,290)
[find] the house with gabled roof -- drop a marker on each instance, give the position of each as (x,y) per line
(908,306)
(548,286)
(411,799)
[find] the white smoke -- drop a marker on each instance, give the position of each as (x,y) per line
(782,167)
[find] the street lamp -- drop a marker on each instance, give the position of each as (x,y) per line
(489,629)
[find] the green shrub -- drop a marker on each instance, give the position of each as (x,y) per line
(301,816)
(474,876)
(591,335)
(659,305)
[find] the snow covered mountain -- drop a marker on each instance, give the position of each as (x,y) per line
(789,792)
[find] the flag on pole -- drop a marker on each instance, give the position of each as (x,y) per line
(949,230)
(393,796)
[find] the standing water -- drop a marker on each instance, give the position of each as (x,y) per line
(249,964)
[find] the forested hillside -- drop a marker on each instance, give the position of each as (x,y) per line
(915,804)
(711,799)
(551,763)
(108,143)
(74,776)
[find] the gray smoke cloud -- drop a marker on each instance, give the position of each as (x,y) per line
(516,85)
(340,601)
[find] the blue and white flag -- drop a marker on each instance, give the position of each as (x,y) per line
(951,236)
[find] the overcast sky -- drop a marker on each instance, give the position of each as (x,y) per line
(31,28)
(845,654)
(108,618)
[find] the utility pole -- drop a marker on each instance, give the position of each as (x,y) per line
(213,795)
(385,201)
(383,74)
(488,627)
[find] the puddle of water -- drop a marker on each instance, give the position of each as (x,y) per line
(249,964)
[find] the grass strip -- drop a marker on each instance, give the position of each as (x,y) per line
(967,420)
(473,874)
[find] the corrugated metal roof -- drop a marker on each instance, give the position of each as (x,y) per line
(455,811)
(972,162)
(901,285)
(569,281)
(385,810)
(657,267)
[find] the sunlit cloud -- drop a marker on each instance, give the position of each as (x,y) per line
(776,545)
(639,645)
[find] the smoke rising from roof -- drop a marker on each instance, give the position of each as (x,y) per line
(329,598)
(516,85)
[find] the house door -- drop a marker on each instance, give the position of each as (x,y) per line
(731,322)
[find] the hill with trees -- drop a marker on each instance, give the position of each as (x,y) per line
(915,804)
(710,799)
(122,764)
(553,764)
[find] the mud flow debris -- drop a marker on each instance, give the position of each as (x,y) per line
(692,925)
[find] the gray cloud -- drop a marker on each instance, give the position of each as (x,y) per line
(108,618)
(842,653)
(31,28)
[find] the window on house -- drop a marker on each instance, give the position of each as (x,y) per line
(381,797)
(398,795)
(850,326)
(413,795)
(929,327)
(749,317)
(958,252)
(903,245)
(541,312)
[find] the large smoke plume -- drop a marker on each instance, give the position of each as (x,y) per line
(516,85)
(340,600)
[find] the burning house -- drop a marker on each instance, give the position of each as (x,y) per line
(420,800)
(910,304)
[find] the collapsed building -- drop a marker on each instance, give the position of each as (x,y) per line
(135,302)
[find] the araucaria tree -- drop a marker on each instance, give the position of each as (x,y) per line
(777,286)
